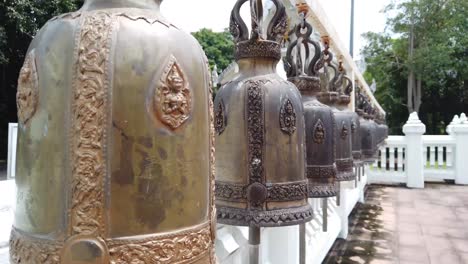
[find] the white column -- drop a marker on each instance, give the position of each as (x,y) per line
(460,132)
(413,130)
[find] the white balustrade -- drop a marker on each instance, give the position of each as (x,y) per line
(443,157)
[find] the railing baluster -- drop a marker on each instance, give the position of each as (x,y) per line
(449,157)
(426,156)
(432,156)
(440,156)
(392,158)
(404,159)
(383,158)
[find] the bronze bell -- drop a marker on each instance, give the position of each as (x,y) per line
(375,132)
(364,128)
(343,139)
(115,144)
(356,133)
(260,131)
(302,68)
(367,131)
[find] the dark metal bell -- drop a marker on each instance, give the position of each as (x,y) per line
(260,153)
(343,117)
(366,129)
(319,119)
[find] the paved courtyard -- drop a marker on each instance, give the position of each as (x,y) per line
(400,225)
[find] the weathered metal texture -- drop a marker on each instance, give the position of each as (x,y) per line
(343,117)
(356,132)
(260,150)
(356,137)
(319,119)
(368,132)
(116,141)
(366,140)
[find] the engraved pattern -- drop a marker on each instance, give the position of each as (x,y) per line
(287,192)
(88,130)
(27,95)
(318,172)
(25,249)
(212,155)
(230,191)
(255,129)
(291,216)
(279,23)
(288,117)
(344,130)
(220,118)
(261,49)
(172,100)
(323,190)
(319,132)
(173,248)
(276,192)
(344,165)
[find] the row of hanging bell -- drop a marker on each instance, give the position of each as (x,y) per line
(303,62)
(260,133)
(338,99)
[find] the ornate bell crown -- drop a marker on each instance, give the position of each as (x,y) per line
(342,84)
(259,44)
(304,58)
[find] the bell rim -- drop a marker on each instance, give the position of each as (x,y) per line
(270,218)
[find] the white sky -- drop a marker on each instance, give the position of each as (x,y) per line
(192,15)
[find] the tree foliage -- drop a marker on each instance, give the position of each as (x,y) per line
(19,22)
(439,60)
(218,47)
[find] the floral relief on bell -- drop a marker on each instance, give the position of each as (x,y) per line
(172,101)
(27,95)
(220,118)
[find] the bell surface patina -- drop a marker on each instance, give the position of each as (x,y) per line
(356,134)
(260,131)
(368,137)
(115,147)
(343,137)
(302,68)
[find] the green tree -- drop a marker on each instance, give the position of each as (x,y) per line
(420,62)
(19,22)
(218,47)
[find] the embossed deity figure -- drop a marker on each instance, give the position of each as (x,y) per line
(116,141)
(260,178)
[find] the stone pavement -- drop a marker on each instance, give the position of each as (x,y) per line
(403,226)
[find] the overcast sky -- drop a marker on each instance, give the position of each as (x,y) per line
(192,15)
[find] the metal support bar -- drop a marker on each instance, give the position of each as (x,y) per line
(254,245)
(325,214)
(302,243)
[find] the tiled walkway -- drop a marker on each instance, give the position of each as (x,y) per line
(400,225)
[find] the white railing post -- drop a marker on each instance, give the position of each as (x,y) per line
(413,130)
(460,132)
